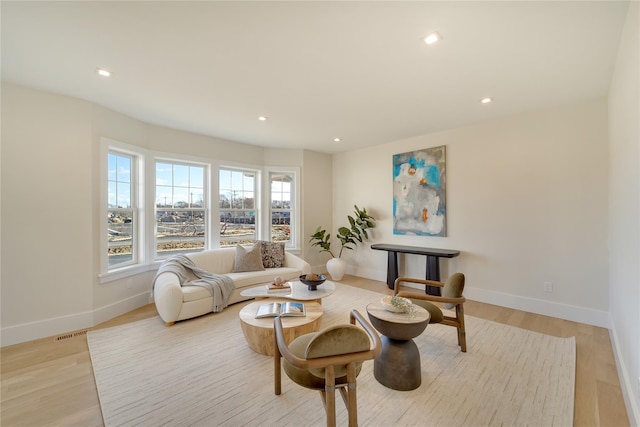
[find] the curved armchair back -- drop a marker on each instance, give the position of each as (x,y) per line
(451,298)
(334,341)
(327,360)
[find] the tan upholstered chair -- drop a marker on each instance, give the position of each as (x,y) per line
(451,298)
(326,360)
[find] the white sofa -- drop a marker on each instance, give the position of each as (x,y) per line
(175,302)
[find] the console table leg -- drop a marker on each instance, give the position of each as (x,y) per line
(392,268)
(433,273)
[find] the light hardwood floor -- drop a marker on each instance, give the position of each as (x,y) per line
(50,382)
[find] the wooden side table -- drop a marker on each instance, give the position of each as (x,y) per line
(398,364)
(259,332)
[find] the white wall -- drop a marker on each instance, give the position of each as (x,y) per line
(526,203)
(317,205)
(51,208)
(46,212)
(624,205)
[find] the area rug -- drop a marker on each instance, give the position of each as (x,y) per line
(201,372)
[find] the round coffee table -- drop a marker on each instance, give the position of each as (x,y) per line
(259,332)
(298,291)
(398,364)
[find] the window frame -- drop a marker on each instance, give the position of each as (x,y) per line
(137,264)
(132,210)
(294,221)
(143,190)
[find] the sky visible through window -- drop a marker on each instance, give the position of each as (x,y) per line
(179,186)
(237,190)
(119,179)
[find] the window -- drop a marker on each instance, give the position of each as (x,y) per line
(172,198)
(237,203)
(122,223)
(282,207)
(181,214)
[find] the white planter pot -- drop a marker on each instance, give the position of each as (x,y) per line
(336,268)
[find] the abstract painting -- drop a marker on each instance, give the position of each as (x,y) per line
(419,204)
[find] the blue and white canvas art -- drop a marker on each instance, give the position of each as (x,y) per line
(419,203)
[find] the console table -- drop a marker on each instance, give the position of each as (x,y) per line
(433,262)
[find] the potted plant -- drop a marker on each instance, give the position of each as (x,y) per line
(349,238)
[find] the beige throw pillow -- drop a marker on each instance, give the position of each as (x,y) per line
(248,259)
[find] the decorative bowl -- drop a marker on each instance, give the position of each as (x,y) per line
(312,285)
(402,305)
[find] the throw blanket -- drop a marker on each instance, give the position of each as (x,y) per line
(219,285)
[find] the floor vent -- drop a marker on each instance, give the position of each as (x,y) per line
(71,335)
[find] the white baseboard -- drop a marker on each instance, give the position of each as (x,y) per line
(626,382)
(59,325)
(45,328)
(574,313)
(116,309)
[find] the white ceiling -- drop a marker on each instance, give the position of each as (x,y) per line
(319,70)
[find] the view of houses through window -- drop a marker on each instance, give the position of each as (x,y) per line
(237,203)
(121,204)
(180,208)
(181,212)
(281,206)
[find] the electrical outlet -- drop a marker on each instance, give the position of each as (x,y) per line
(548,286)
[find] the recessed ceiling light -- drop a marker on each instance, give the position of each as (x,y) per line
(262,118)
(432,38)
(336,140)
(486,100)
(104,73)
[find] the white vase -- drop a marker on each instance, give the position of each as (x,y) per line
(336,268)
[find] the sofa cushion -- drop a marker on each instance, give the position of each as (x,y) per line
(252,278)
(272,254)
(194,293)
(248,259)
(219,260)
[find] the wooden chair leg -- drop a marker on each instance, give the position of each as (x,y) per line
(330,391)
(352,408)
(345,396)
(462,335)
(277,370)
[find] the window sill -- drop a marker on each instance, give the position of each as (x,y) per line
(124,272)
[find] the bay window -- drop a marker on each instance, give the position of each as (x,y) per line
(155,207)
